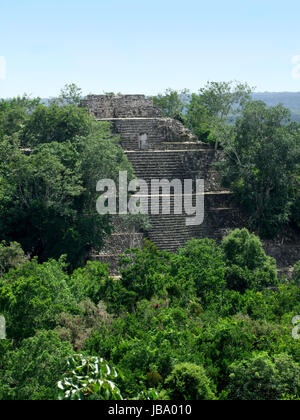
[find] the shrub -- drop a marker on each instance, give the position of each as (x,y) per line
(87,282)
(11,256)
(200,263)
(32,370)
(145,271)
(189,382)
(248,266)
(264,378)
(78,328)
(31,297)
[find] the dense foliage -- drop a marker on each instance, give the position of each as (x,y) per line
(171,103)
(261,165)
(51,158)
(209,322)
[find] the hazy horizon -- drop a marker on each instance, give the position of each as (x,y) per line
(147,46)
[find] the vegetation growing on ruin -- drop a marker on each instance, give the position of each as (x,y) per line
(260,147)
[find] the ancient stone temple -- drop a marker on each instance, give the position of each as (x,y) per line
(163,148)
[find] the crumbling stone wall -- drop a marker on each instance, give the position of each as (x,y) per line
(120,106)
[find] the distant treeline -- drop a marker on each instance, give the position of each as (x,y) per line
(290,100)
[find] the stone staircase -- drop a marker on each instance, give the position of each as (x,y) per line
(169,152)
(188,163)
(181,161)
(162,148)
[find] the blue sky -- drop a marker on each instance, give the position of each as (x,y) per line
(145,46)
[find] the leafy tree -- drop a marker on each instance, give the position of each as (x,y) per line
(11,256)
(216,105)
(198,120)
(48,198)
(89,281)
(279,305)
(260,163)
(223,341)
(223,98)
(189,382)
(145,271)
(172,102)
(77,328)
(38,208)
(14,112)
(31,297)
(200,262)
(59,120)
(264,378)
(248,266)
(30,372)
(70,94)
(55,123)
